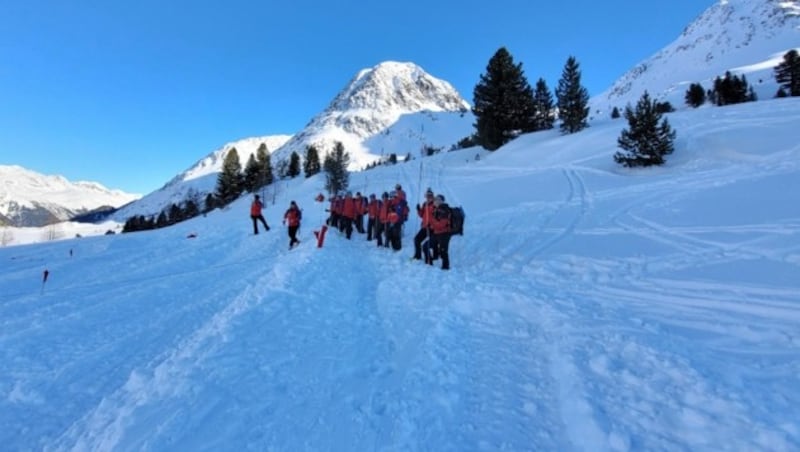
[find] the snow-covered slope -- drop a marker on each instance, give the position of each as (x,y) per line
(28,198)
(742,36)
(199,180)
(589,307)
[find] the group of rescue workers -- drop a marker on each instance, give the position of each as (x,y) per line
(385,219)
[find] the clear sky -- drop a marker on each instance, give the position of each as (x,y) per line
(131,93)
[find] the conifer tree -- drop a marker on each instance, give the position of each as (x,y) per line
(294,165)
(210,203)
(615,113)
(787,73)
(252,175)
(335,165)
(230,180)
(544,109)
(503,102)
(572,98)
(311,166)
(648,138)
(264,161)
(731,89)
(695,95)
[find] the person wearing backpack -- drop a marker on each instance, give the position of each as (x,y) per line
(440,228)
(292,219)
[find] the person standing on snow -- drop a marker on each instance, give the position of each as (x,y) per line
(440,227)
(256,216)
(425,212)
(292,219)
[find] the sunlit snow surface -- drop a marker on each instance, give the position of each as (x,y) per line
(589,307)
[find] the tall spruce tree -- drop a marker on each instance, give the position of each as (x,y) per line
(649,137)
(252,174)
(544,115)
(335,165)
(572,98)
(311,165)
(503,102)
(787,73)
(264,161)
(230,180)
(294,165)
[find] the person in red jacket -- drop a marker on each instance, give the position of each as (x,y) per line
(373,210)
(383,221)
(349,210)
(256,216)
(440,228)
(425,212)
(292,219)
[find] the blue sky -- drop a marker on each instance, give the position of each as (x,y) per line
(129,94)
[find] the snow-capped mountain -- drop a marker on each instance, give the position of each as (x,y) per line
(392,108)
(28,198)
(397,101)
(199,179)
(746,37)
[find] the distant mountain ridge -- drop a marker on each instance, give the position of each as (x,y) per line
(742,36)
(28,198)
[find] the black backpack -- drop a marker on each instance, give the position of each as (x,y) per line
(457,220)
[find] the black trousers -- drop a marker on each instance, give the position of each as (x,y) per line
(293,235)
(422,235)
(372,229)
(440,243)
(256,219)
(394,235)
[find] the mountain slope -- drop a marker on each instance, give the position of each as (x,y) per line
(742,36)
(28,198)
(199,179)
(589,307)
(372,103)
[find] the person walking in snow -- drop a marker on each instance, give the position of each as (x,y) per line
(425,212)
(292,219)
(256,216)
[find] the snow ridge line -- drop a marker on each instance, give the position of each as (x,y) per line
(104,427)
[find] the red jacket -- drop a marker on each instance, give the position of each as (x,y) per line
(255,208)
(349,208)
(292,216)
(440,220)
(373,209)
(426,213)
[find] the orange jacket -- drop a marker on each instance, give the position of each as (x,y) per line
(373,209)
(255,208)
(349,208)
(425,212)
(292,216)
(440,220)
